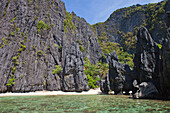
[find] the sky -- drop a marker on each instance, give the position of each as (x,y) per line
(94,11)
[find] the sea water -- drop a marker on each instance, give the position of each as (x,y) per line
(82,103)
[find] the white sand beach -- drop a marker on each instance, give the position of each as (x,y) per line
(45,93)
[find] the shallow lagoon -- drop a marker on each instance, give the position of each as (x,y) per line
(82,103)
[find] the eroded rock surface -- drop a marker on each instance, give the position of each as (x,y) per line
(146,90)
(145,57)
(74,78)
(152,66)
(165,78)
(105,85)
(116,77)
(34,37)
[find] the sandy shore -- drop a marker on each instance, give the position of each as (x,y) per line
(44,93)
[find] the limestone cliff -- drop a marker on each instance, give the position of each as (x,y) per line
(128,20)
(42,47)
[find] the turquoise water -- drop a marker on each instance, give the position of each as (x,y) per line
(82,103)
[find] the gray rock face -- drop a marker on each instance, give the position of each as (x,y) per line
(129,78)
(145,57)
(152,66)
(120,76)
(116,77)
(85,37)
(147,60)
(146,90)
(33,40)
(105,85)
(74,78)
(127,19)
(165,78)
(28,51)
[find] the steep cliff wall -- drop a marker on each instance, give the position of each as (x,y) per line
(40,45)
(127,21)
(152,66)
(165,81)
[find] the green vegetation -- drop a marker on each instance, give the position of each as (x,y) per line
(60,48)
(92,81)
(52,24)
(55,45)
(23,47)
(4,13)
(22,34)
(123,55)
(104,56)
(93,29)
(48,47)
(153,16)
(17,29)
(79,42)
(58,69)
(152,12)
(13,19)
(30,1)
(40,53)
(41,25)
(13,33)
(35,18)
(82,49)
(68,23)
(33,47)
(78,19)
(90,69)
(36,6)
(15,60)
(12,79)
(23,62)
(3,39)
(154,20)
(159,45)
(4,42)
(13,71)
(104,69)
(93,71)
(127,41)
(22,76)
